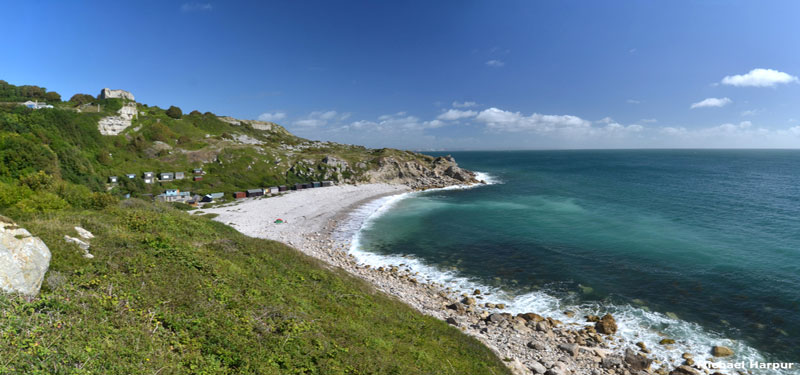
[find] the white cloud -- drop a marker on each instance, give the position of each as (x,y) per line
(759,78)
(324,115)
(498,119)
(192,7)
(389,123)
(711,102)
(750,112)
(434,124)
(272,117)
(648,120)
(613,127)
(456,114)
(320,118)
(633,101)
(495,63)
(464,104)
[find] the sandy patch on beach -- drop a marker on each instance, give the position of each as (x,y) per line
(306,213)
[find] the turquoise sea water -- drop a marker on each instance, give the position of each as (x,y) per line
(699,245)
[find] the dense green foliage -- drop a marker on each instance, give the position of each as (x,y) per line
(80,99)
(11,93)
(169,293)
(174,112)
(52,96)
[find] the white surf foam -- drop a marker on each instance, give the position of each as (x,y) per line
(635,323)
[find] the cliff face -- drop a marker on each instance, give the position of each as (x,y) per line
(441,171)
(113,125)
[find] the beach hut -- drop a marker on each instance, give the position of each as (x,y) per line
(316,184)
(130,176)
(166,176)
(283,188)
(255,192)
(274,190)
(197,178)
(327,183)
(239,195)
(197,171)
(112,179)
(212,197)
(179,175)
(149,175)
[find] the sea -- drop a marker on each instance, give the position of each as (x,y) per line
(700,246)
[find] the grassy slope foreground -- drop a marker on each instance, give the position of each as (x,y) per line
(169,293)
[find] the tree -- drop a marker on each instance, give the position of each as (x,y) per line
(174,112)
(81,99)
(52,96)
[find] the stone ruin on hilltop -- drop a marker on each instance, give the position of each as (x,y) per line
(108,93)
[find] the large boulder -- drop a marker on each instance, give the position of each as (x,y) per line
(606,325)
(683,370)
(721,351)
(637,362)
(24,259)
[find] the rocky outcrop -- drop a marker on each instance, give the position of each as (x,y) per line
(606,325)
(257,125)
(113,125)
(442,171)
(24,259)
(107,93)
(721,351)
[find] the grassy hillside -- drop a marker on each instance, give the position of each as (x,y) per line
(235,155)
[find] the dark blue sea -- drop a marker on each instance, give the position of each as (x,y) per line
(702,246)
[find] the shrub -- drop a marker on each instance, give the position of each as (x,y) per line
(20,156)
(174,112)
(103,200)
(80,99)
(75,195)
(41,202)
(112,104)
(10,194)
(52,96)
(37,181)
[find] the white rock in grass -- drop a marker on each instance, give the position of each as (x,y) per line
(24,259)
(83,233)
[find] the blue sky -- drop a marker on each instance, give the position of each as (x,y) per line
(437,74)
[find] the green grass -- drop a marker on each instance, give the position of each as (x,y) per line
(168,293)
